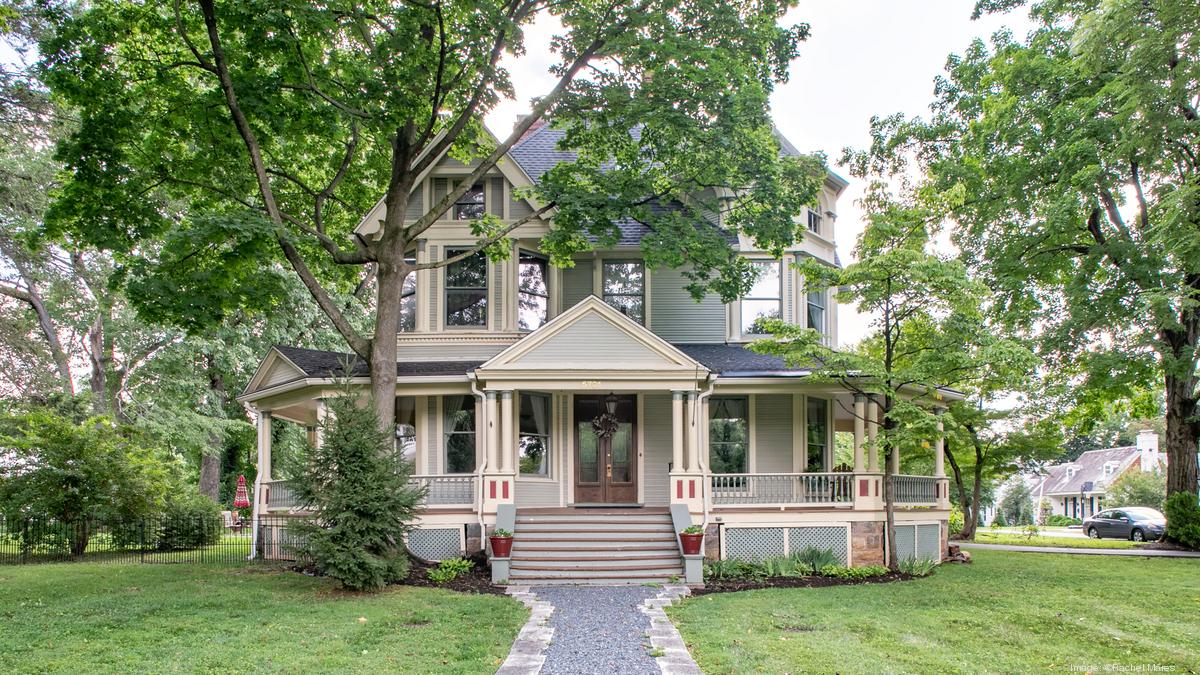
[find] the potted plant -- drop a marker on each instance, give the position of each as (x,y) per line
(501,543)
(691,537)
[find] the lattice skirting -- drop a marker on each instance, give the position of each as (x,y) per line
(278,542)
(919,541)
(436,544)
(760,543)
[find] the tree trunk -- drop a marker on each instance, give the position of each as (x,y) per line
(976,491)
(99,377)
(210,469)
(889,487)
(383,344)
(1183,432)
(964,502)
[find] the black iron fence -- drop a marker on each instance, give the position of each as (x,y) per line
(149,540)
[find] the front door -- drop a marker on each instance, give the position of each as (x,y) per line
(605,465)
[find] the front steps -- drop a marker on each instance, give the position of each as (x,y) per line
(591,546)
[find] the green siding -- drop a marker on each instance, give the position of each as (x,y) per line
(773,430)
(677,317)
(576,283)
(656,418)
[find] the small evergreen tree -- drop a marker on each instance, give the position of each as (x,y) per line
(1017,504)
(359,489)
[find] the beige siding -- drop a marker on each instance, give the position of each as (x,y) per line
(518,208)
(444,352)
(657,437)
(433,276)
(677,317)
(496,300)
(495,197)
(433,458)
(591,340)
(281,371)
(576,283)
(773,429)
(536,493)
(416,205)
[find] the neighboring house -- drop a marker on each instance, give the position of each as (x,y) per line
(1077,489)
(503,366)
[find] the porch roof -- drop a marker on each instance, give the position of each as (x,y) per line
(319,363)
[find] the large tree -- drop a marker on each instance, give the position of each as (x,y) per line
(1072,159)
(277,124)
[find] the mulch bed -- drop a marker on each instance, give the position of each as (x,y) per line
(478,580)
(735,585)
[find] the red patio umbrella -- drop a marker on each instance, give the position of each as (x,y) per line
(241,499)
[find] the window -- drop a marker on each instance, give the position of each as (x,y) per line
(816,311)
(624,286)
(765,300)
(534,441)
(533,297)
(814,221)
(407,321)
(470,205)
(459,429)
(466,290)
(728,434)
(406,428)
(818,434)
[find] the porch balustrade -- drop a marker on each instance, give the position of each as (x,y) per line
(279,494)
(782,488)
(446,489)
(915,489)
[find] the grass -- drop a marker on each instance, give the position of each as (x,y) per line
(1006,612)
(987,537)
(85,617)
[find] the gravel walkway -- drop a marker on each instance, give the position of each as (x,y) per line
(598,629)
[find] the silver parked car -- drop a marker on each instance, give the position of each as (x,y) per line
(1134,522)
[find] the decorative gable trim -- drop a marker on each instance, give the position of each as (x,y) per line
(274,370)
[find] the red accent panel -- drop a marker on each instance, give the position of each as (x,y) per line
(492,489)
(864,488)
(691,489)
(679,489)
(504,485)
(876,487)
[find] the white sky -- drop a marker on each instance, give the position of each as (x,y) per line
(864,58)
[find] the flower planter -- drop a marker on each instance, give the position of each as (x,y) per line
(691,543)
(501,546)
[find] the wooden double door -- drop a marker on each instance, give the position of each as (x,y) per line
(606,467)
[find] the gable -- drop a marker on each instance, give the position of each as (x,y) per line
(275,369)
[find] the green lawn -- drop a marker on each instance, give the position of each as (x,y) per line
(1006,612)
(987,537)
(85,617)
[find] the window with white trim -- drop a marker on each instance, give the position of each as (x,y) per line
(533,296)
(728,434)
(466,290)
(814,221)
(817,423)
(406,428)
(816,302)
(765,299)
(624,287)
(533,443)
(407,321)
(458,428)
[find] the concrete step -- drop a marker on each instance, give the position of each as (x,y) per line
(592,537)
(593,562)
(661,572)
(593,552)
(605,518)
(607,581)
(594,526)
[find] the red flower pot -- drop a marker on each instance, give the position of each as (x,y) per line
(691,543)
(501,547)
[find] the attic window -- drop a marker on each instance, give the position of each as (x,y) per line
(1110,468)
(470,205)
(1070,472)
(814,221)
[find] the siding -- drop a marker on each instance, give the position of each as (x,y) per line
(576,283)
(416,206)
(773,428)
(433,459)
(656,433)
(495,196)
(588,341)
(281,371)
(497,303)
(535,493)
(677,317)
(518,208)
(433,276)
(454,352)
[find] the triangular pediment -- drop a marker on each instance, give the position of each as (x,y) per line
(592,336)
(274,369)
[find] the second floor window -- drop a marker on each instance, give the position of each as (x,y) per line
(765,300)
(459,428)
(533,447)
(624,286)
(728,434)
(533,297)
(814,221)
(470,205)
(466,290)
(407,322)
(406,428)
(816,311)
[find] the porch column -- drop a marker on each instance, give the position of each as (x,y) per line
(319,430)
(506,429)
(263,469)
(872,433)
(860,413)
(939,446)
(491,443)
(678,430)
(693,432)
(895,459)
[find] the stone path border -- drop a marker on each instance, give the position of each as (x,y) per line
(1145,553)
(673,656)
(528,650)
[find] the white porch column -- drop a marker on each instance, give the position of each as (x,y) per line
(491,443)
(860,413)
(692,433)
(895,459)
(678,427)
(939,446)
(319,430)
(506,430)
(263,469)
(872,436)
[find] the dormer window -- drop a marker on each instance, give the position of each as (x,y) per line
(765,300)
(533,297)
(470,205)
(1070,472)
(1109,468)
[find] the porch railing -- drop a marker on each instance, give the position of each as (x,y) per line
(915,489)
(782,488)
(279,494)
(447,489)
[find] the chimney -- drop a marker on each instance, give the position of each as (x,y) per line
(1147,445)
(541,122)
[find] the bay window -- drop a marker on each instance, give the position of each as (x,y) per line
(466,290)
(765,299)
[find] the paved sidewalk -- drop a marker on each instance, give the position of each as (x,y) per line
(1144,553)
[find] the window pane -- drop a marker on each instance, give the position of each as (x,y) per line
(765,299)
(534,441)
(755,311)
(816,311)
(728,435)
(624,278)
(589,467)
(629,305)
(814,222)
(532,300)
(818,433)
(406,428)
(470,272)
(466,290)
(459,428)
(470,205)
(619,454)
(767,285)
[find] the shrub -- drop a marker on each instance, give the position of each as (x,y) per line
(816,558)
(1138,488)
(998,520)
(1183,520)
(917,567)
(361,491)
(449,570)
(191,520)
(840,572)
(733,569)
(1030,531)
(786,566)
(956,520)
(1061,521)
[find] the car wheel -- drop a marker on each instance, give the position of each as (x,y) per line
(1137,535)
(1093,533)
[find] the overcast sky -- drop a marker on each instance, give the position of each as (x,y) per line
(864,58)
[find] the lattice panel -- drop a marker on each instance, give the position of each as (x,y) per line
(929,541)
(436,544)
(278,542)
(833,538)
(753,543)
(906,542)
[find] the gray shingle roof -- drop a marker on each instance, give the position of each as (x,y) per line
(1089,467)
(319,363)
(734,360)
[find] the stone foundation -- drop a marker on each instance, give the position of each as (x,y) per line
(866,543)
(474,542)
(712,542)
